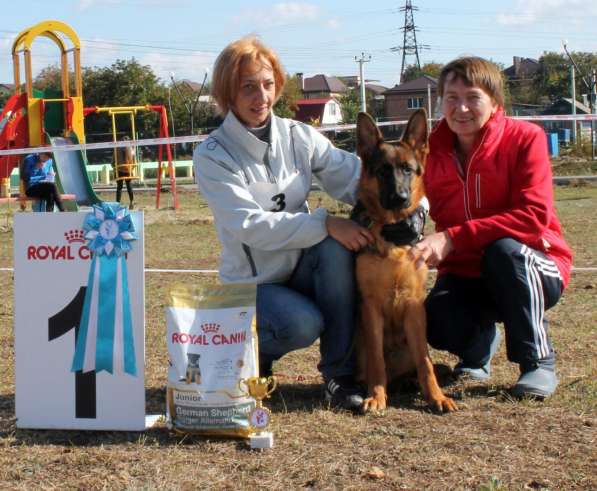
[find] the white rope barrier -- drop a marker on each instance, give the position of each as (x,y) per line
(199,138)
(189,271)
(102,145)
(215,271)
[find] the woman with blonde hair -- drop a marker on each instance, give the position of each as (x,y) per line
(255,172)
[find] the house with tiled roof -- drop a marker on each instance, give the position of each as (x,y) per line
(402,100)
(320,112)
(321,86)
(7,89)
(522,68)
(191,89)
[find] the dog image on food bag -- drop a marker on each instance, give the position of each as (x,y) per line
(193,373)
(392,339)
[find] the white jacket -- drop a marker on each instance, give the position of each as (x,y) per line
(259,245)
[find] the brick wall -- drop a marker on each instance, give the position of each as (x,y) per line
(397,104)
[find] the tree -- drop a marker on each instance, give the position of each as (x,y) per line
(552,81)
(3,99)
(50,78)
(351,105)
(286,105)
(374,107)
(183,101)
(124,83)
(412,72)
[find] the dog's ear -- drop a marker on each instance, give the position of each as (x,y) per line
(416,132)
(368,135)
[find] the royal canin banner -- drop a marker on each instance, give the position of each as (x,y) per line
(52,263)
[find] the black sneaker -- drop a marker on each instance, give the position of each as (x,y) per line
(344,392)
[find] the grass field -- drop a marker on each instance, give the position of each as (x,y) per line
(492,443)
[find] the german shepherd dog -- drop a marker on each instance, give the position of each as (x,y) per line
(393,325)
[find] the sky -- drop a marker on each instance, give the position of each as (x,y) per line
(182,38)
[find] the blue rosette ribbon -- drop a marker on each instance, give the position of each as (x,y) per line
(106,339)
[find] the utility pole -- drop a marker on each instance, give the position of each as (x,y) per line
(409,39)
(573,95)
(591,86)
(172,118)
(361,61)
(429,109)
(593,109)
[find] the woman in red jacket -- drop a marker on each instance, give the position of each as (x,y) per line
(498,244)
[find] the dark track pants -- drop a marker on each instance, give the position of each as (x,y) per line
(129,189)
(516,287)
(48,192)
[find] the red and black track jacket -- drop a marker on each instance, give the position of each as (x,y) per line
(506,190)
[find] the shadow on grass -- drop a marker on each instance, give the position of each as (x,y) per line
(155,404)
(288,398)
(402,393)
(297,398)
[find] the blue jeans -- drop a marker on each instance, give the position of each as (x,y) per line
(318,301)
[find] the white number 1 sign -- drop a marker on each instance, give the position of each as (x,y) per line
(52,262)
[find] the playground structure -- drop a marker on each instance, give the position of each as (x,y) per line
(129,171)
(34,118)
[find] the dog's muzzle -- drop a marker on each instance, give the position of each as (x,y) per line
(397,201)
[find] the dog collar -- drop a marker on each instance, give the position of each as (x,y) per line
(408,231)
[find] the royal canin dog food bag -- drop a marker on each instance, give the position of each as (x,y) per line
(212,346)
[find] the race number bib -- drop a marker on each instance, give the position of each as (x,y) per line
(287,195)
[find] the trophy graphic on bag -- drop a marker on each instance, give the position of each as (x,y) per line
(259,388)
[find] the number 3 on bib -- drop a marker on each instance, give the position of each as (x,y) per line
(279,200)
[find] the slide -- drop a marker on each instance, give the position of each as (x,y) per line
(71,171)
(13,131)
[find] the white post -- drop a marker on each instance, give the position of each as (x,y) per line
(573,94)
(361,62)
(429,113)
(593,111)
(105,175)
(363,99)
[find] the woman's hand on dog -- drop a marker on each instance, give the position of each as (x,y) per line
(432,250)
(350,234)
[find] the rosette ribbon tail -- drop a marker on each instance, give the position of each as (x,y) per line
(106,339)
(106,320)
(79,358)
(130,364)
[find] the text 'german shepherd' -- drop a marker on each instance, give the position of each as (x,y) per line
(393,325)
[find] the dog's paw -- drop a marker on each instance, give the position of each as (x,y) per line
(443,404)
(374,404)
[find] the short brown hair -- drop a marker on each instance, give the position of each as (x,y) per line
(226,76)
(475,71)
